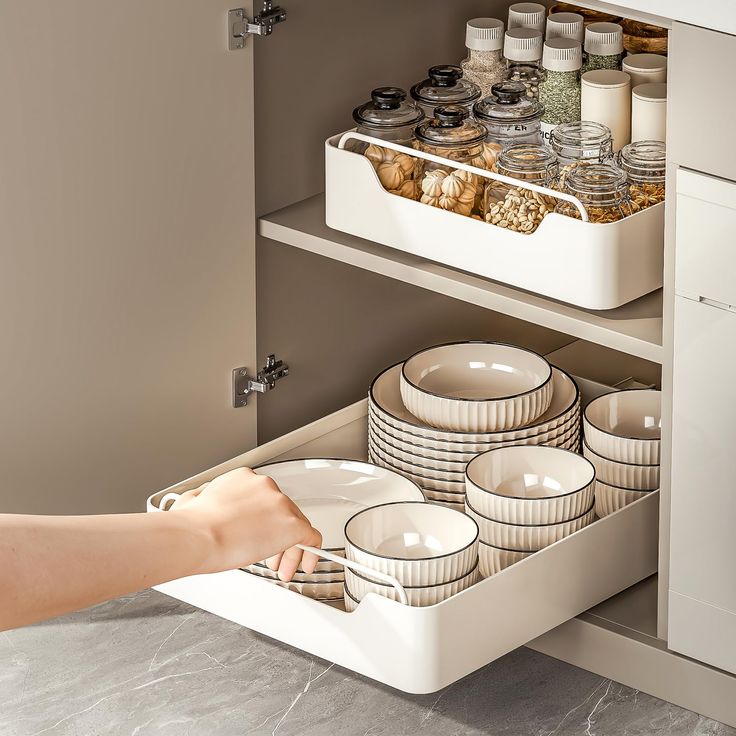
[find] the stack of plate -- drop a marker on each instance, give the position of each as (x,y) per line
(622,440)
(477,375)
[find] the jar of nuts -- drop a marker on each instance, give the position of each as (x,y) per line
(644,163)
(603,191)
(509,115)
(582,140)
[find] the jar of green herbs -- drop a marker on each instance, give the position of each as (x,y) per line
(559,91)
(603,46)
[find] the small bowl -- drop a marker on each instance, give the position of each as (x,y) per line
(418,595)
(530,484)
(610,498)
(625,426)
(526,538)
(418,543)
(624,475)
(476,386)
(494,559)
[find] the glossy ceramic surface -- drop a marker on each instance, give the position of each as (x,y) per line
(609,499)
(625,475)
(494,559)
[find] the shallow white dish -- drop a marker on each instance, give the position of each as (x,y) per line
(319,591)
(476,386)
(494,559)
(417,543)
(530,484)
(455,506)
(625,426)
(432,495)
(625,475)
(329,491)
(609,498)
(526,538)
(334,574)
(446,486)
(422,471)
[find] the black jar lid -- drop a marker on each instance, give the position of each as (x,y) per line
(445,86)
(508,103)
(388,108)
(451,126)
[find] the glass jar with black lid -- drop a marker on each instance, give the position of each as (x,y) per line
(509,116)
(445,86)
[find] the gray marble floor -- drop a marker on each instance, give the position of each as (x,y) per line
(147,664)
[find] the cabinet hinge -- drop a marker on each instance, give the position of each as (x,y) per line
(265,380)
(239,27)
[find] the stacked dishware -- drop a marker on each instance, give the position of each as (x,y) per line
(430,416)
(431,551)
(622,433)
(525,498)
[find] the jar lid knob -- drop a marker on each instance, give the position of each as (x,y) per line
(450,116)
(388,98)
(508,93)
(445,76)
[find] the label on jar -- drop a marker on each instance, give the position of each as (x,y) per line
(515,128)
(547,131)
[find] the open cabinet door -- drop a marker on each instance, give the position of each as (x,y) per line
(127,238)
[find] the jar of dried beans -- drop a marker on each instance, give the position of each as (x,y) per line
(522,48)
(644,164)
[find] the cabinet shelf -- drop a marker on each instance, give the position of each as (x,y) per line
(634,328)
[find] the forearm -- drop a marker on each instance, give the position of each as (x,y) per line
(55,564)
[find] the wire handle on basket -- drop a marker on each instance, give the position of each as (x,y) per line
(354,135)
(382,576)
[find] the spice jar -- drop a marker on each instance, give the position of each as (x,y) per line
(484,64)
(451,135)
(644,164)
(509,115)
(602,189)
(565,25)
(582,141)
(515,207)
(527,15)
(604,45)
(522,48)
(560,90)
(445,86)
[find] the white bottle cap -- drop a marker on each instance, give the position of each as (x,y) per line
(523,44)
(565,25)
(651,92)
(527,15)
(562,55)
(644,63)
(604,39)
(484,34)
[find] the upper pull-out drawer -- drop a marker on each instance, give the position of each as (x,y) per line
(421,650)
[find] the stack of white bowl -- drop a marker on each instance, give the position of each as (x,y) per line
(432,551)
(524,498)
(622,439)
(429,416)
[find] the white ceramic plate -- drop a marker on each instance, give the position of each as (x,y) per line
(329,491)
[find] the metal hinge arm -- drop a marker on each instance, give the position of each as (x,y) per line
(239,27)
(265,380)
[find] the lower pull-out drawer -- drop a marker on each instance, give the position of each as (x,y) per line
(420,650)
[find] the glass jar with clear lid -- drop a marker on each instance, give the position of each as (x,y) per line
(602,189)
(644,163)
(515,207)
(444,86)
(509,116)
(582,140)
(450,134)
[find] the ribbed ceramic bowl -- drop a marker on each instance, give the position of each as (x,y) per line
(431,495)
(318,591)
(418,595)
(351,602)
(460,507)
(530,485)
(333,575)
(610,498)
(476,386)
(494,559)
(526,538)
(625,475)
(386,406)
(447,486)
(417,543)
(625,426)
(423,471)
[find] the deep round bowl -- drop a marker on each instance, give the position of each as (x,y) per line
(530,484)
(625,426)
(609,498)
(476,386)
(624,475)
(417,543)
(494,559)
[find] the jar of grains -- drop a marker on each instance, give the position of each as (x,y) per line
(522,48)
(603,191)
(579,142)
(515,207)
(559,92)
(604,46)
(484,64)
(509,115)
(644,164)
(445,86)
(451,135)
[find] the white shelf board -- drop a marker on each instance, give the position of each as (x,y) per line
(635,328)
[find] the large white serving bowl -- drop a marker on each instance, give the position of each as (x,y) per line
(530,484)
(476,386)
(417,543)
(609,498)
(624,475)
(384,400)
(625,426)
(417,595)
(446,486)
(526,538)
(494,559)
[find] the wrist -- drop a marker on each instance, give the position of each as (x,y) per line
(192,539)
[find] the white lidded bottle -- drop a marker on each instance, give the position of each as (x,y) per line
(606,98)
(522,48)
(527,15)
(649,112)
(559,92)
(604,46)
(645,68)
(565,25)
(484,63)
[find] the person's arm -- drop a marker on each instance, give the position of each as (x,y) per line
(55,564)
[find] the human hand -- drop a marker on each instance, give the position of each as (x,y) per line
(248,520)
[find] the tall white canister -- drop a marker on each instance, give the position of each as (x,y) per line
(649,112)
(645,68)
(606,98)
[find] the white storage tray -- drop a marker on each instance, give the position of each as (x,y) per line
(596,266)
(420,650)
